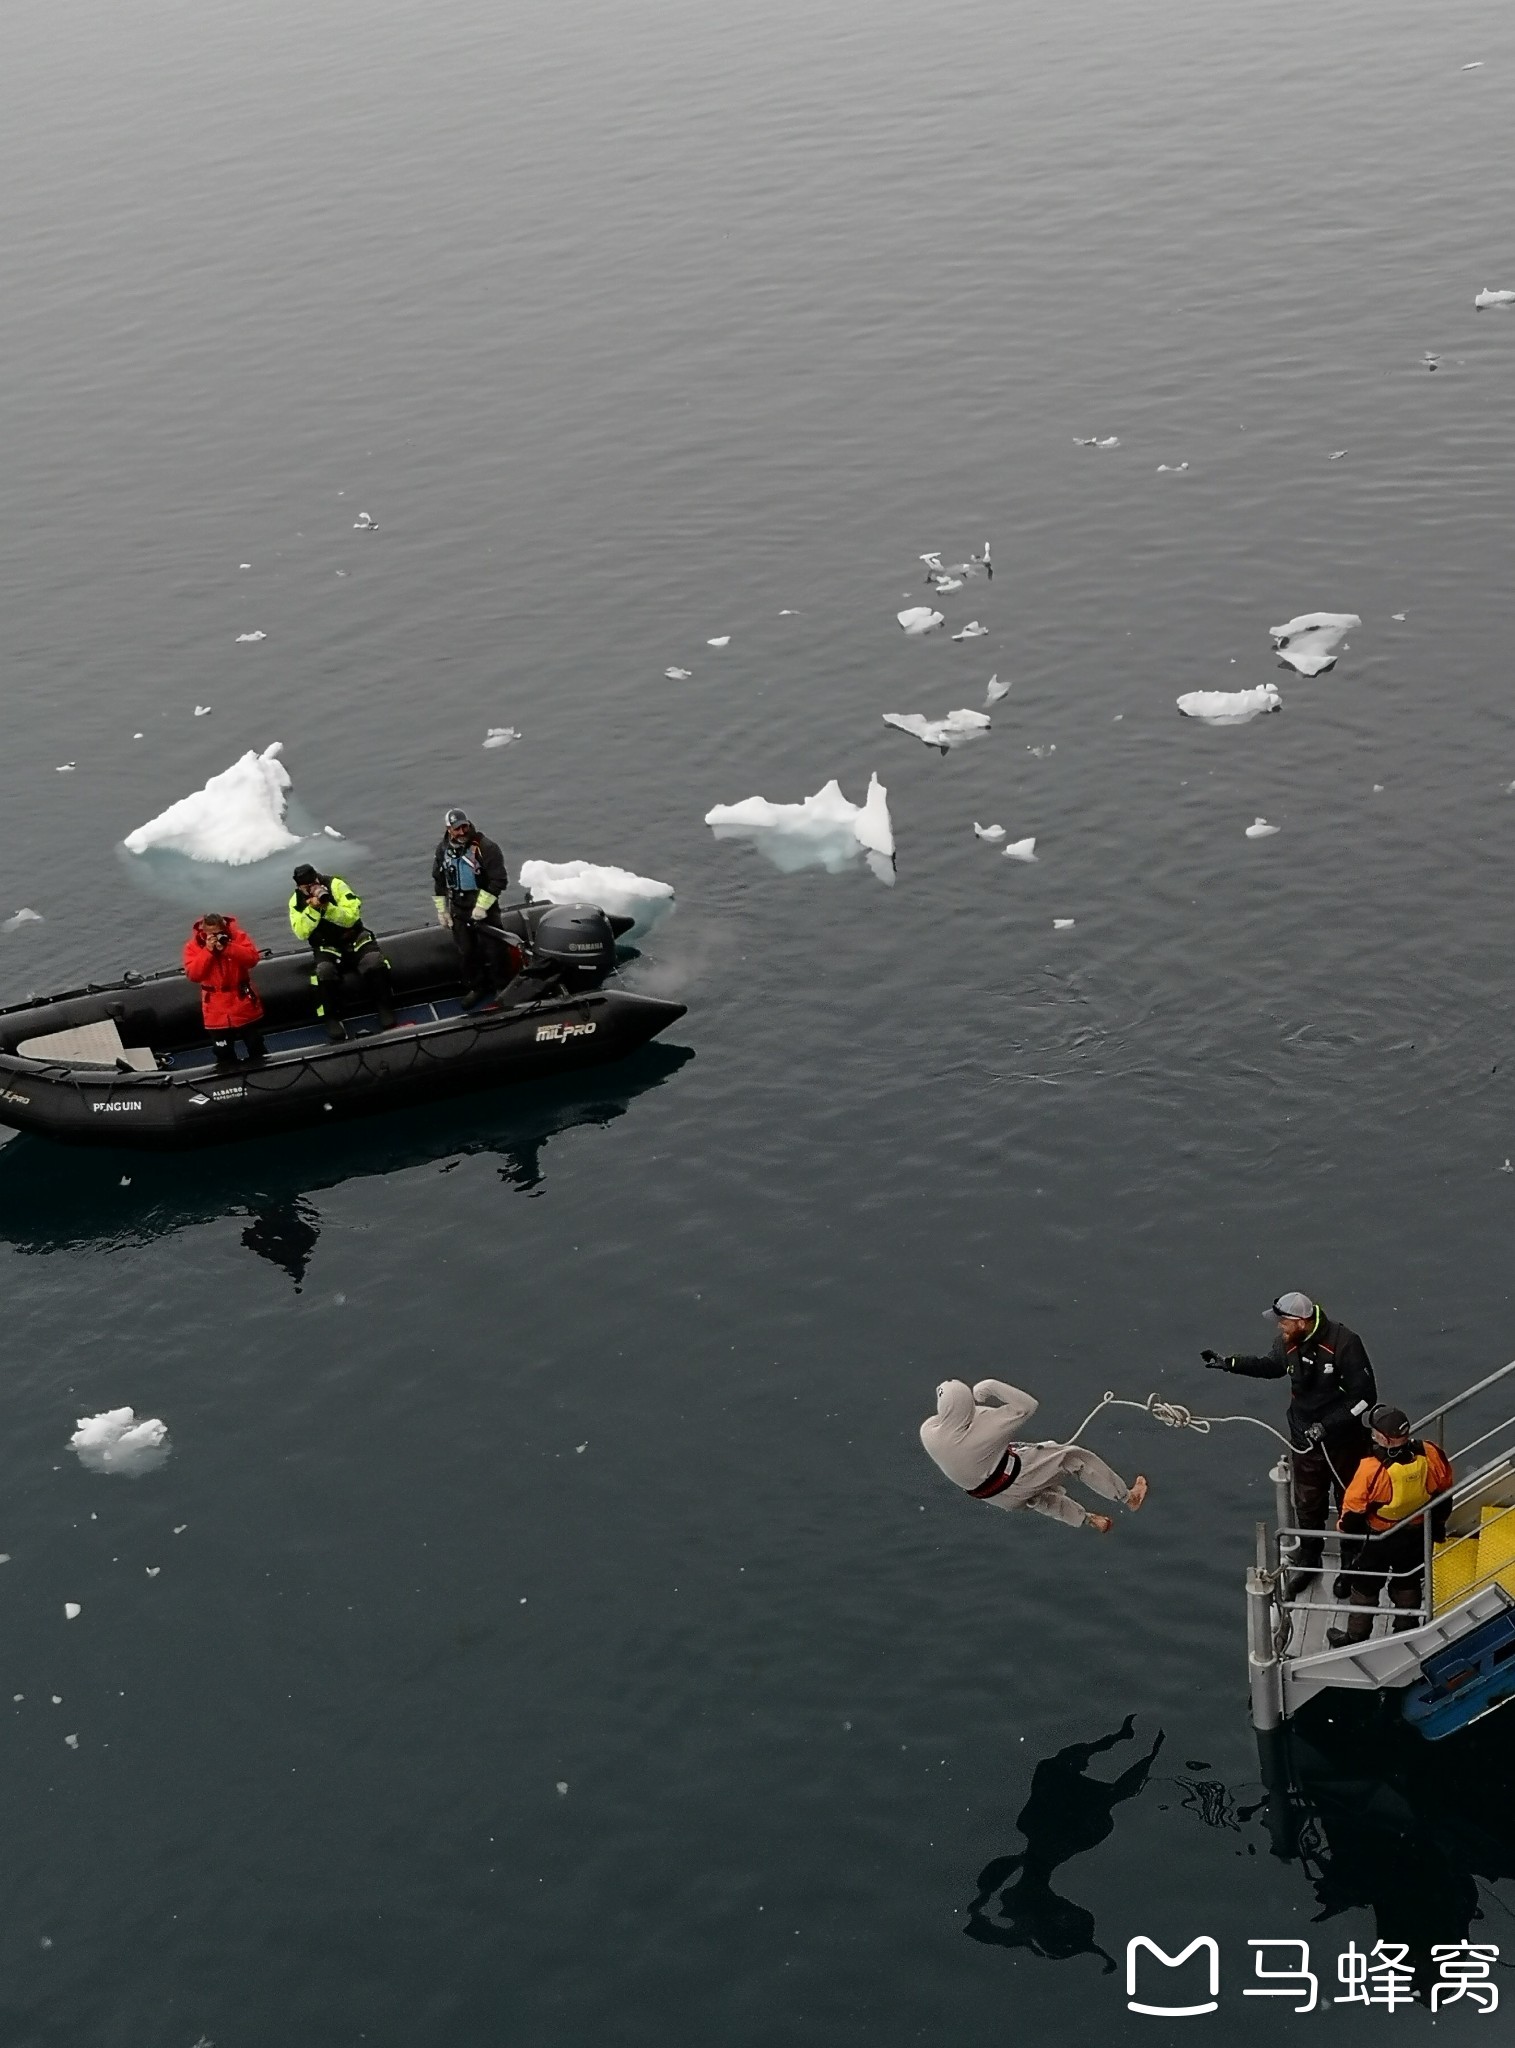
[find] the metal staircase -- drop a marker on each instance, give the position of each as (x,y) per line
(1457,1660)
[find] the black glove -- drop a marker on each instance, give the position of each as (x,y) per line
(1214,1362)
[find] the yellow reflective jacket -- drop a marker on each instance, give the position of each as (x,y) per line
(335,926)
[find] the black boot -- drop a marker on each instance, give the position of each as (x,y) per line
(336,1030)
(472,997)
(387,1018)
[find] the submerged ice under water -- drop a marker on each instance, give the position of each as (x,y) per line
(826,830)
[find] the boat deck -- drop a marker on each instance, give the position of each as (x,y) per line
(200,1059)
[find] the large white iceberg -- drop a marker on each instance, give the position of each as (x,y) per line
(237,818)
(1230,707)
(615,890)
(826,830)
(1308,643)
(946,732)
(115,1441)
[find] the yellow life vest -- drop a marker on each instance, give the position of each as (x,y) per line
(1409,1489)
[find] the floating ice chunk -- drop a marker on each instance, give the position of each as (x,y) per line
(331,832)
(723,640)
(153,1570)
(1021,849)
(678,675)
(1378,789)
(202,711)
(995,691)
(1397,615)
(1230,707)
(180,1527)
(1476,65)
(14,924)
(950,731)
(66,767)
(138,735)
(115,1441)
(987,831)
(364,523)
(71,1612)
(72,1741)
(1308,643)
(983,562)
(1488,298)
(562,1787)
(1110,441)
(1429,360)
(873,825)
(237,818)
(1171,468)
(825,831)
(933,560)
(920,618)
(241,637)
(972,631)
(615,890)
(1336,455)
(1041,753)
(1063,924)
(501,735)
(1261,829)
(945,585)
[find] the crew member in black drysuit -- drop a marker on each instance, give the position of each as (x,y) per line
(1331,1388)
(468,878)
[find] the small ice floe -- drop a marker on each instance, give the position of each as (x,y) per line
(202,711)
(950,731)
(562,1788)
(1308,643)
(237,818)
(241,637)
(945,585)
(71,1612)
(1041,753)
(1021,849)
(365,523)
(66,767)
(1110,441)
(1261,829)
(1378,789)
(722,640)
(1398,615)
(972,631)
(1476,65)
(983,562)
(1171,468)
(72,1741)
(920,618)
(1488,298)
(1336,455)
(825,831)
(987,831)
(1084,441)
(1063,924)
(995,691)
(616,890)
(331,832)
(153,1570)
(1429,360)
(501,735)
(139,735)
(678,675)
(1230,707)
(1506,1168)
(115,1441)
(23,916)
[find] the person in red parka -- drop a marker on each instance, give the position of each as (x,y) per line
(220,956)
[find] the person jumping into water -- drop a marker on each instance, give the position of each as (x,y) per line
(976,1446)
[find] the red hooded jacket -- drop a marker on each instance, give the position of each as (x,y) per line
(227,998)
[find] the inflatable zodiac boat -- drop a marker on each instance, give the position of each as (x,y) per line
(130,1062)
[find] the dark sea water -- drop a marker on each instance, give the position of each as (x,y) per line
(568,1439)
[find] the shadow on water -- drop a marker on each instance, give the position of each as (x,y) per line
(1067,1813)
(57,1198)
(1380,1820)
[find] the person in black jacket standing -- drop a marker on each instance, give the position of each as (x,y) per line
(468,878)
(1331,1388)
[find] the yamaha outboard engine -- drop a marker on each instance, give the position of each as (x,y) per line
(579,940)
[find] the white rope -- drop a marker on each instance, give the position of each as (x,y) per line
(1174,1415)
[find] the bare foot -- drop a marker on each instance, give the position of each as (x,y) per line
(1100,1524)
(1138,1492)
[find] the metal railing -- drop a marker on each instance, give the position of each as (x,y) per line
(1271,1584)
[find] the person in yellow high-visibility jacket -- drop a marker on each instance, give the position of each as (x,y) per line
(1399,1478)
(329,917)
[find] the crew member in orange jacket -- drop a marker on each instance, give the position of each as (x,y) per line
(1399,1477)
(220,956)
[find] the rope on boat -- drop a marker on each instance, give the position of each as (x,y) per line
(1173,1415)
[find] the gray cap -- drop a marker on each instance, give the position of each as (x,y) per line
(1295,1304)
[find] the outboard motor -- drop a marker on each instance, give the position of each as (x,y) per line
(579,940)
